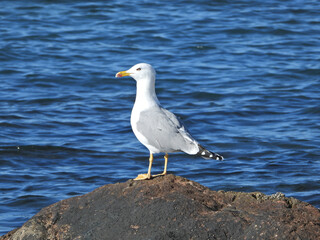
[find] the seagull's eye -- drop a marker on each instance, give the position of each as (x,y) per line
(138,69)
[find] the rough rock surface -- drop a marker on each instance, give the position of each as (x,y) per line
(172,207)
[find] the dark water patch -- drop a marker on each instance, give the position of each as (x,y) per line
(29,200)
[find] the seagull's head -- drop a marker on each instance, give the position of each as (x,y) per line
(139,71)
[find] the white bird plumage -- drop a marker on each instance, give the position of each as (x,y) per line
(155,127)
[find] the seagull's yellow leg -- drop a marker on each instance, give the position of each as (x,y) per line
(165,166)
(166,157)
(146,175)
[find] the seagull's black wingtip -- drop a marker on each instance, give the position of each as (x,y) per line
(206,154)
(219,157)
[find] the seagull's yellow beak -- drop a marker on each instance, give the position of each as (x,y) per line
(122,74)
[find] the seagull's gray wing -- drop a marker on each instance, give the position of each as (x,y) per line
(164,131)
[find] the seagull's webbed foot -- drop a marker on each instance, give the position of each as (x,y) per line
(144,176)
(160,174)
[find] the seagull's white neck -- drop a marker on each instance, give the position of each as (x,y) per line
(146,95)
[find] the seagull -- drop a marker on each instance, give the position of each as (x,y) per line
(158,129)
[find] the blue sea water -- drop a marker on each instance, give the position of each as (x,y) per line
(244,76)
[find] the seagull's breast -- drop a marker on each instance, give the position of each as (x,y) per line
(135,116)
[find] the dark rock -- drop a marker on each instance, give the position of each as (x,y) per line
(172,207)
